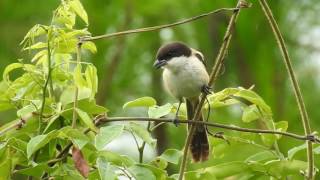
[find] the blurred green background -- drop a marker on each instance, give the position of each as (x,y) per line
(125,63)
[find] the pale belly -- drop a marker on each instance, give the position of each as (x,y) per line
(186,83)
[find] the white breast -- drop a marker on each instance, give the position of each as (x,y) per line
(184,77)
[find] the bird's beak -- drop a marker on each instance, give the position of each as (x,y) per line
(159,63)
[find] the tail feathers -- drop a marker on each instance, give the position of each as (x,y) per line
(199,146)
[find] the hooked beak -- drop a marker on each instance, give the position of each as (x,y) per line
(159,63)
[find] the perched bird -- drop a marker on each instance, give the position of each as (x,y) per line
(185,77)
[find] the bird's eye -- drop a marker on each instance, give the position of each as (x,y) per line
(199,56)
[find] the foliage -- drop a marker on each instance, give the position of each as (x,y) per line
(44,99)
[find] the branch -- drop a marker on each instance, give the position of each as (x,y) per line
(309,137)
(16,125)
(302,109)
(155,28)
(215,70)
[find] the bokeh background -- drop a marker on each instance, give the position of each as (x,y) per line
(125,63)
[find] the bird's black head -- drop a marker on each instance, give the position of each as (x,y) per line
(171,50)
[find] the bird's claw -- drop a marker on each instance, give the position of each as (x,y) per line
(220,135)
(206,89)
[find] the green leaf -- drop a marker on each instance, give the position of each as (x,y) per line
(90,46)
(5,165)
(281,126)
(192,175)
(296,149)
(86,119)
(116,159)
(140,102)
(76,136)
(158,173)
(26,110)
(39,55)
(38,45)
(284,168)
(39,141)
(142,133)
(90,106)
(106,170)
(159,163)
(159,111)
(141,173)
(172,155)
(107,134)
(79,10)
(10,68)
(78,78)
(250,113)
(268,139)
(261,156)
(36,171)
(224,170)
(92,79)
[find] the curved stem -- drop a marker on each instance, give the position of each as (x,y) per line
(154,28)
(302,109)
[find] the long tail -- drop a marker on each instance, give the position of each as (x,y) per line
(199,143)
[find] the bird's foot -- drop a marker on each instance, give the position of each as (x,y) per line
(206,89)
(220,135)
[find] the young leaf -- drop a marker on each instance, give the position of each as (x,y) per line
(261,156)
(281,126)
(159,111)
(26,110)
(78,79)
(92,79)
(250,113)
(140,102)
(90,46)
(80,163)
(107,134)
(106,171)
(279,169)
(86,119)
(79,10)
(38,45)
(77,137)
(35,171)
(8,69)
(172,155)
(141,173)
(142,133)
(39,141)
(116,159)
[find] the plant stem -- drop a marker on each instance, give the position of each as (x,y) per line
(302,109)
(141,148)
(215,70)
(154,28)
(76,91)
(44,90)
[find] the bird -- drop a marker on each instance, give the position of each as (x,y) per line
(185,77)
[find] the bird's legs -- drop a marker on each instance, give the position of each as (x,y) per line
(176,119)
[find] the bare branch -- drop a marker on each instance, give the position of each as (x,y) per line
(155,28)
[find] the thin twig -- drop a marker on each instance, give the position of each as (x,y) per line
(302,109)
(16,125)
(154,28)
(76,91)
(309,137)
(141,148)
(215,71)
